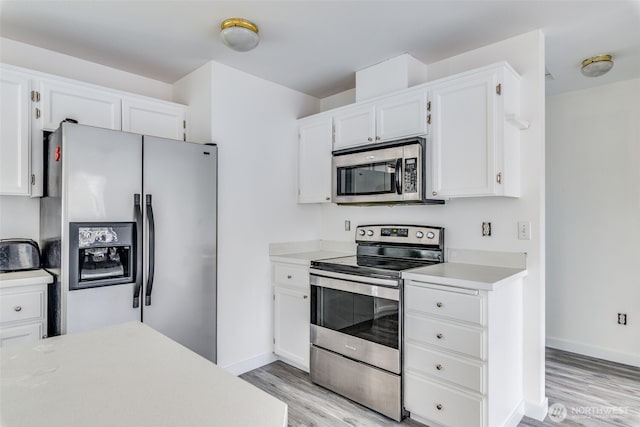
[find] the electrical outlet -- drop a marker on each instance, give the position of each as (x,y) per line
(347,225)
(622,318)
(524,230)
(486,229)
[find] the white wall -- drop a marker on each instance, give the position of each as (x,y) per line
(254,125)
(463,217)
(338,100)
(47,61)
(593,228)
(19,217)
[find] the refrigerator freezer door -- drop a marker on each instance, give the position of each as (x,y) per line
(181,180)
(102,172)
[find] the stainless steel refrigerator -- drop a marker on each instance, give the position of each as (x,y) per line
(128,227)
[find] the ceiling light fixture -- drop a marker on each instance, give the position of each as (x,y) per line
(239,34)
(596,65)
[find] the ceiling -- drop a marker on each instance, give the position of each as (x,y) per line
(315,47)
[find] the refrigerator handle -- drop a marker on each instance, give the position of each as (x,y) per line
(152,252)
(138,285)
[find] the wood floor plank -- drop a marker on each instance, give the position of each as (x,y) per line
(594,392)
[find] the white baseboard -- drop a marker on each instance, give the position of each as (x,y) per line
(516,416)
(247,365)
(594,351)
(537,411)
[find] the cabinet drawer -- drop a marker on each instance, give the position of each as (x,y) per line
(286,274)
(445,335)
(21,334)
(443,405)
(468,308)
(21,306)
(440,365)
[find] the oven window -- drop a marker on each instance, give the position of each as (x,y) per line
(370,318)
(373,178)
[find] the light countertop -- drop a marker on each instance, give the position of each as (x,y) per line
(125,375)
(472,276)
(304,252)
(31,277)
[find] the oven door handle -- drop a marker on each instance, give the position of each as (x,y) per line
(398,174)
(355,287)
(138,245)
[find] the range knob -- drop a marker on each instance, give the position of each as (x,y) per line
(419,234)
(430,235)
(361,232)
(369,232)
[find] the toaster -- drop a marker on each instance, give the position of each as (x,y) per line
(19,255)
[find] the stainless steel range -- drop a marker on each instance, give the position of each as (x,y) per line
(356,313)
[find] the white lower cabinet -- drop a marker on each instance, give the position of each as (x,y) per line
(23,312)
(463,354)
(291,314)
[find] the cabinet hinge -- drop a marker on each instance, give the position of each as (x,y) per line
(184,124)
(33,179)
(428,119)
(37,113)
(499,89)
(499,178)
(428,105)
(333,133)
(35,96)
(274,340)
(184,136)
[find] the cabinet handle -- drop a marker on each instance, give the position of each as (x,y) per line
(435,193)
(327,198)
(369,139)
(37,113)
(305,296)
(439,407)
(289,276)
(377,138)
(439,367)
(439,336)
(17,308)
(439,304)
(499,178)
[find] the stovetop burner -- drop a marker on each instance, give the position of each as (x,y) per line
(386,251)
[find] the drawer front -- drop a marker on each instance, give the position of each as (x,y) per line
(21,306)
(468,308)
(21,334)
(467,341)
(285,274)
(437,364)
(443,405)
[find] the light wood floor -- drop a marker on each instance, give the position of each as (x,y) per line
(594,393)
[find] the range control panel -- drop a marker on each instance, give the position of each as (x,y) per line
(405,234)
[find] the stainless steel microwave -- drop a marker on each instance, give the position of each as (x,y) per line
(386,173)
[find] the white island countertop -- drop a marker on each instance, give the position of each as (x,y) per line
(472,276)
(125,375)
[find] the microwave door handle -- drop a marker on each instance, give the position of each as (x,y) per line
(152,250)
(138,245)
(398,174)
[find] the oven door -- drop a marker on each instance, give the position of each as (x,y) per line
(379,173)
(357,320)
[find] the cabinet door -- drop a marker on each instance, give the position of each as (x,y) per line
(464,139)
(354,126)
(21,334)
(291,325)
(314,160)
(401,116)
(154,118)
(15,110)
(85,104)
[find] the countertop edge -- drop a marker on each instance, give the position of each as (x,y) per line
(25,278)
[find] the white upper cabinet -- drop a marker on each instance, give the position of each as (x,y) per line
(314,159)
(402,116)
(87,105)
(155,118)
(388,118)
(475,149)
(354,126)
(15,110)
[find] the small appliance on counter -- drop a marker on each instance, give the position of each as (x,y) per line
(19,255)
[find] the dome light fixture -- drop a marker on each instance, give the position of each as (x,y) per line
(239,34)
(596,65)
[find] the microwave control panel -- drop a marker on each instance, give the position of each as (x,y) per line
(410,175)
